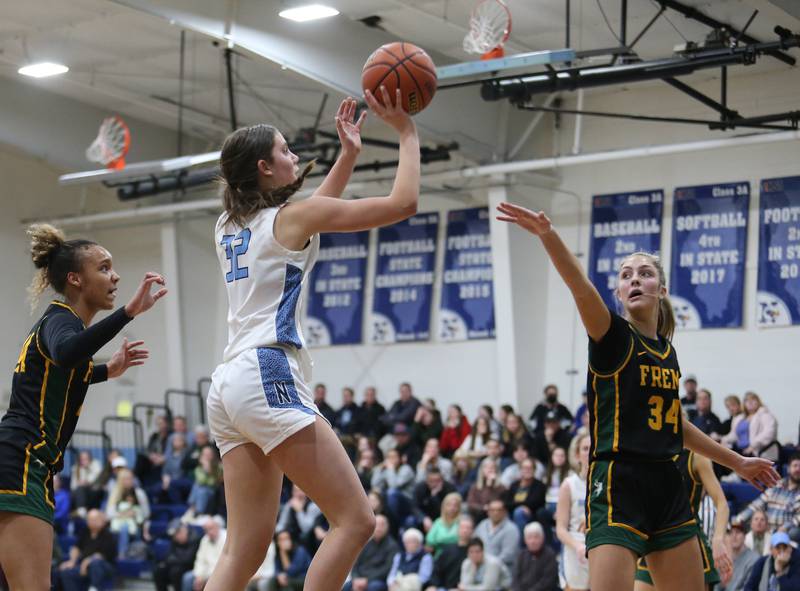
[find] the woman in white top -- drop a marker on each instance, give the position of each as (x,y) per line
(571,521)
(260,407)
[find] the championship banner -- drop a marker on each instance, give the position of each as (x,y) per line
(467,307)
(778,297)
(709,244)
(335,310)
(622,224)
(401,309)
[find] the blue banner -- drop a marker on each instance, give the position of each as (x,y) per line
(622,224)
(401,310)
(336,292)
(778,297)
(467,307)
(709,244)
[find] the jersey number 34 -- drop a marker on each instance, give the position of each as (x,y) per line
(658,417)
(235,246)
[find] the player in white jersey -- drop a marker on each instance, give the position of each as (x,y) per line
(261,411)
(571,521)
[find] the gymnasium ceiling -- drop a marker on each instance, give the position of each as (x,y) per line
(124,54)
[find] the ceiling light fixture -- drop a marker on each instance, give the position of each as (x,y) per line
(43,70)
(309,12)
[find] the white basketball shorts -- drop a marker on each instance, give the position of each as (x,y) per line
(261,396)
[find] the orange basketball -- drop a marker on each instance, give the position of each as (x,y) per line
(402,65)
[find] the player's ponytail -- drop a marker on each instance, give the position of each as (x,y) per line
(666,318)
(54,257)
(241,195)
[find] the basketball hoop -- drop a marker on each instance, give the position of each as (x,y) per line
(111,144)
(489,29)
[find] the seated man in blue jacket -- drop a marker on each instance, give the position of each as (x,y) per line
(778,570)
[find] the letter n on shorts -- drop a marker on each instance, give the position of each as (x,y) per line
(277,380)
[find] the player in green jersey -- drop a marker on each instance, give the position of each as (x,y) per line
(636,503)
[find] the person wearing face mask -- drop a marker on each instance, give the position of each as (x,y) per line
(636,502)
(549,406)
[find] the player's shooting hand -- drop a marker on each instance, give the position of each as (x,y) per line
(391,112)
(535,223)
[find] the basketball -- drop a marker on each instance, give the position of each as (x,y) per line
(405,66)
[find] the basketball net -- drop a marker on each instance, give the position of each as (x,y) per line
(111,144)
(489,29)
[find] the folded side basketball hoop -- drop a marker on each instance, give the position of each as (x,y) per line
(489,29)
(111,144)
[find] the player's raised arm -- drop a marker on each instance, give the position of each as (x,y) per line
(594,313)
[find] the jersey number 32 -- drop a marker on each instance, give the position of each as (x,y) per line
(235,246)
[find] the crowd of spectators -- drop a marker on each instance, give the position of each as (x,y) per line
(460,504)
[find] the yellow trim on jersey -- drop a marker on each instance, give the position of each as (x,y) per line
(20,367)
(39,346)
(611,521)
(596,421)
(706,561)
(24,490)
(47,491)
(690,468)
(589,499)
(41,402)
(642,565)
(89,373)
(64,410)
(615,444)
(661,356)
(685,523)
(68,307)
(619,369)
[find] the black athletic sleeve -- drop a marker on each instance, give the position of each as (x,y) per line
(607,354)
(68,343)
(99,374)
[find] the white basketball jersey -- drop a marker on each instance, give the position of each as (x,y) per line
(266,285)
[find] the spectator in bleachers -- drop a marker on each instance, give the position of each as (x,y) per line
(426,426)
(757,539)
(91,559)
(743,559)
(689,398)
(412,567)
(571,518)
(734,407)
(481,571)
(549,406)
(208,554)
(495,426)
(444,529)
(347,420)
(372,413)
(61,499)
(511,473)
(516,433)
(148,465)
(260,580)
(447,564)
(175,483)
(395,480)
(704,418)
(780,571)
(365,465)
(406,445)
(499,535)
(202,439)
(320,392)
(403,409)
(475,443)
(207,479)
(432,458)
(84,476)
(179,559)
(115,462)
(127,509)
(464,473)
(373,565)
(553,435)
(557,471)
(487,488)
(753,430)
(495,452)
(428,497)
(291,564)
(781,503)
(318,533)
(502,414)
(179,427)
(536,567)
(582,422)
(298,516)
(577,422)
(526,497)
(455,431)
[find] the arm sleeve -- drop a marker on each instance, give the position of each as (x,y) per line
(426,569)
(99,374)
(68,343)
(607,354)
